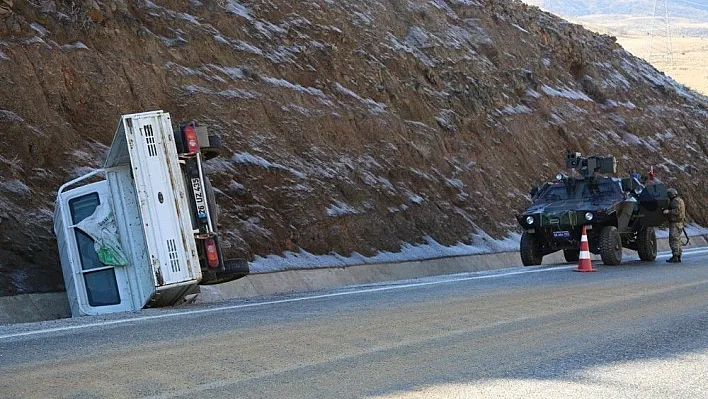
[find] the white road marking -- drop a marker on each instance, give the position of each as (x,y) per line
(290,300)
(308,298)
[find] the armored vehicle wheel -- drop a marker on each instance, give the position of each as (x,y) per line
(610,246)
(530,254)
(646,244)
(571,255)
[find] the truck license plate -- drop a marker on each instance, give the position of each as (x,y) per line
(199,199)
(561,234)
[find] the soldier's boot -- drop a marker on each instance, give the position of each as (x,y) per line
(678,259)
(674,259)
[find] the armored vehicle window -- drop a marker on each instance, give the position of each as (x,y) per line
(554,193)
(604,188)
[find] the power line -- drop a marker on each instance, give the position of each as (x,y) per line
(660,46)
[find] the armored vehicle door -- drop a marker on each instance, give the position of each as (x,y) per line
(652,202)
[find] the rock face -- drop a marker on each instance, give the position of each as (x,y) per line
(350,126)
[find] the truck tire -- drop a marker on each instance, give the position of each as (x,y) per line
(571,255)
(610,246)
(214,149)
(530,254)
(235,269)
(646,244)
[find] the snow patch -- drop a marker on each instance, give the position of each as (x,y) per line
(10,116)
(374,106)
(415,198)
(431,249)
(632,139)
(446,119)
(250,159)
(566,93)
(220,39)
(247,47)
(397,45)
(518,109)
(296,108)
(41,31)
(15,186)
(519,28)
(194,89)
(236,8)
(457,183)
(339,208)
(417,37)
(37,40)
(188,17)
(293,86)
(237,93)
(234,73)
(533,93)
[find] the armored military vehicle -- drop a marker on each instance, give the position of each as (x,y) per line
(617,212)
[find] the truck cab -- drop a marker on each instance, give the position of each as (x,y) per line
(142,230)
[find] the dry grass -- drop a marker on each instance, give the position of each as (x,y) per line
(690,59)
(689,44)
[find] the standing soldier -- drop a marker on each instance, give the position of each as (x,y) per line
(677,215)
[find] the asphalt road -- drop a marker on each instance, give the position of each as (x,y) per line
(639,330)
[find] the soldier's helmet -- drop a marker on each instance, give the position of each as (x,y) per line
(672,193)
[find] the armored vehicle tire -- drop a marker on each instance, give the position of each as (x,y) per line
(610,246)
(530,255)
(571,255)
(214,149)
(646,244)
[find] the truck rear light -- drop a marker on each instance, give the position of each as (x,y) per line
(212,253)
(190,137)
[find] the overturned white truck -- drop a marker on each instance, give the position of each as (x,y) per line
(146,234)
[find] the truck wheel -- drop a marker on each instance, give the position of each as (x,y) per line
(530,254)
(646,244)
(235,269)
(571,255)
(610,246)
(214,149)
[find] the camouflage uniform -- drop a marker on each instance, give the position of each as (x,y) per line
(677,215)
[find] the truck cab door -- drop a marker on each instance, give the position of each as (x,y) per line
(99,289)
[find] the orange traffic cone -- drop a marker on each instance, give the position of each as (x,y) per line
(584,263)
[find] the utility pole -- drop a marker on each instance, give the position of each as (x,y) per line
(660,47)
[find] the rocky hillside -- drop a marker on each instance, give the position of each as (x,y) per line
(350,125)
